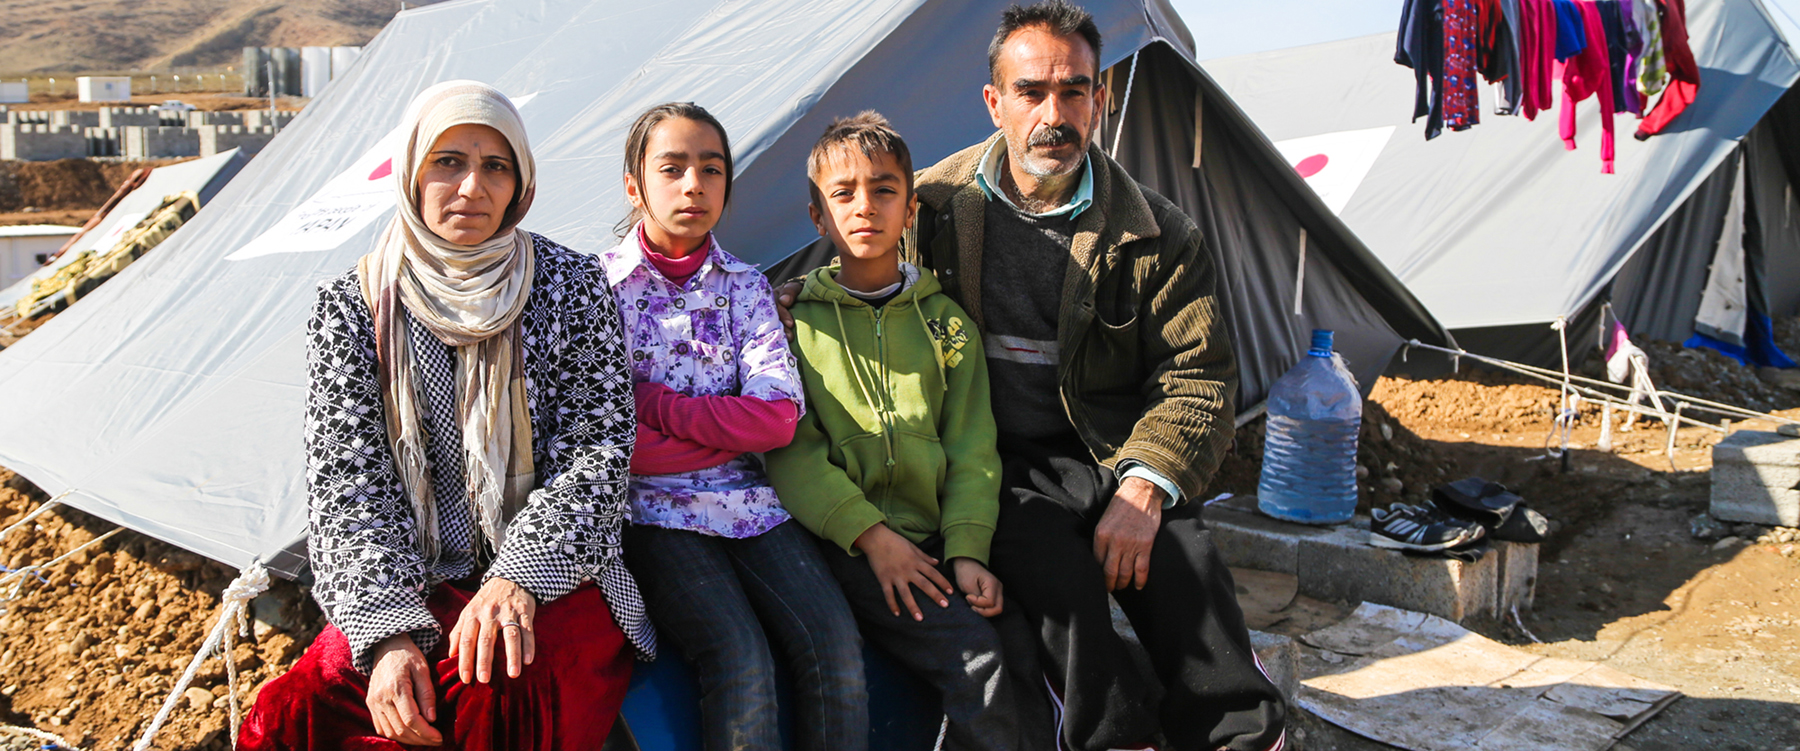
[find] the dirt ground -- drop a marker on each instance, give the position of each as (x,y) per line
(38,191)
(90,650)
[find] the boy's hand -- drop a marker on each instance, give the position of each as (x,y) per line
(900,565)
(785,295)
(979,585)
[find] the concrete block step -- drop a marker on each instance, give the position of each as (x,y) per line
(1338,564)
(1756,479)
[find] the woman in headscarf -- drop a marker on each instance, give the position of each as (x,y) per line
(469,429)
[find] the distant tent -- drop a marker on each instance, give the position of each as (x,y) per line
(204,177)
(171,400)
(1500,230)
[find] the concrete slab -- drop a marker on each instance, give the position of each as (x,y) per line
(1337,564)
(1756,479)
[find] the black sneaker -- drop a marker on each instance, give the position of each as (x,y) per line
(1403,527)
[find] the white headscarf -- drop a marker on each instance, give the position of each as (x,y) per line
(469,297)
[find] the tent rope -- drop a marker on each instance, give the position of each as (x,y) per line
(39,511)
(1569,401)
(1125,106)
(233,603)
(1581,387)
(50,740)
(17,577)
(1300,275)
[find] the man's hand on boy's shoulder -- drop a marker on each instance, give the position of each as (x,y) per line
(900,565)
(979,585)
(785,295)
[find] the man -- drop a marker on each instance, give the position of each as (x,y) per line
(1095,299)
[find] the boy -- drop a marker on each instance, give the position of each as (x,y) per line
(893,464)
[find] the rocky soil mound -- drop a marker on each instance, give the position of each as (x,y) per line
(65,184)
(90,648)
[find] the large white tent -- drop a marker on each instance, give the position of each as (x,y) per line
(170,401)
(1499,229)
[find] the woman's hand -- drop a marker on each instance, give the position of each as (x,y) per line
(502,610)
(979,585)
(899,565)
(402,696)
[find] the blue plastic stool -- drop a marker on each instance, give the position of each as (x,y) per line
(663,706)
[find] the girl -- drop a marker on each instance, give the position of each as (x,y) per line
(724,572)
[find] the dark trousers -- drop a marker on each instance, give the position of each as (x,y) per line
(724,602)
(992,688)
(1208,691)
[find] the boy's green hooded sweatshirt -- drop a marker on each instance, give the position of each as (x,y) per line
(898,427)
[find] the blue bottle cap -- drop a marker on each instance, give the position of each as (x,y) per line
(1321,343)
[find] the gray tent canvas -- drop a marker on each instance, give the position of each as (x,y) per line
(171,400)
(1499,229)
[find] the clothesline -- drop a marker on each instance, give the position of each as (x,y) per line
(1620,52)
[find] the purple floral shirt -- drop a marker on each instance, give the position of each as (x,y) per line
(718,335)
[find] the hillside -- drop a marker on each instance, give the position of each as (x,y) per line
(120,35)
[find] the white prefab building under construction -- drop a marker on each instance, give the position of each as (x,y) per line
(24,248)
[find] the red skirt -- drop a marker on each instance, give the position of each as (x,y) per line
(566,699)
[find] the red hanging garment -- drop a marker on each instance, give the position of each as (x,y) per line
(1462,96)
(1537,56)
(1588,74)
(1684,72)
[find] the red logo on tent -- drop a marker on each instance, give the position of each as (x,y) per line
(386,168)
(1311,165)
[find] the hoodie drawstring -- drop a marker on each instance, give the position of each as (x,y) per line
(868,398)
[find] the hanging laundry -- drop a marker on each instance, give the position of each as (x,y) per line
(1634,49)
(1684,72)
(1613,27)
(1653,71)
(1571,31)
(1590,74)
(1461,94)
(1420,46)
(1512,90)
(1537,59)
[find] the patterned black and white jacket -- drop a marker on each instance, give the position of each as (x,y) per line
(371,579)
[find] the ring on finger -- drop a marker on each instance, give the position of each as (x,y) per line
(510,624)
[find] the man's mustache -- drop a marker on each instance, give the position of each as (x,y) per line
(1058,135)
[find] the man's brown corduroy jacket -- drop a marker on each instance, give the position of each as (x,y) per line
(1147,372)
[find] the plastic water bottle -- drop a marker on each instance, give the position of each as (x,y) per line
(1309,455)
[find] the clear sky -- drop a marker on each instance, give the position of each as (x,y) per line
(1223,28)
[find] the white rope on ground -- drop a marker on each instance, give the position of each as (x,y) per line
(233,602)
(17,578)
(48,738)
(1125,106)
(39,511)
(1520,622)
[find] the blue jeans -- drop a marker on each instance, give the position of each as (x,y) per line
(724,602)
